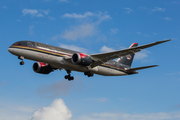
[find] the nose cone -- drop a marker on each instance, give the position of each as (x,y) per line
(10,50)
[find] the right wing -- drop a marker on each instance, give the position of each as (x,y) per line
(104,57)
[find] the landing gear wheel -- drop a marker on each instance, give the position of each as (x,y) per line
(85,73)
(92,74)
(89,74)
(21,58)
(22,63)
(66,76)
(69,77)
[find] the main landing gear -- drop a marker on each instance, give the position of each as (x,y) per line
(89,74)
(21,58)
(69,77)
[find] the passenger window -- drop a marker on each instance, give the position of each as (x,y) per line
(29,44)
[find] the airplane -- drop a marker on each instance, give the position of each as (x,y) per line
(50,58)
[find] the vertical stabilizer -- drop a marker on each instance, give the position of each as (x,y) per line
(127,60)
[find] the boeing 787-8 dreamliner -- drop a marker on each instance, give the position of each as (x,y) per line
(50,58)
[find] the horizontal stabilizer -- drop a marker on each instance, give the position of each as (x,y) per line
(139,68)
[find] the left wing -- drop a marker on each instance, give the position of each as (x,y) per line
(104,57)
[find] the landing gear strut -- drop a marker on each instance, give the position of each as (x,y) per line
(69,77)
(89,74)
(21,58)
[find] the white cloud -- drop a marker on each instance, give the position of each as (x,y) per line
(154,33)
(128,10)
(176,2)
(167,18)
(105,49)
(11,112)
(103,99)
(146,35)
(63,1)
(59,88)
(31,32)
(143,8)
(46,12)
(29,11)
(73,47)
(155,9)
(35,13)
(114,31)
(56,111)
(158,9)
(135,116)
(139,33)
(80,31)
(48,0)
(9,115)
(141,55)
(101,17)
(78,16)
(175,73)
(4,7)
(51,18)
(58,0)
(101,37)
(85,28)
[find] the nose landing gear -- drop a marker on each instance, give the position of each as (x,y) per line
(21,58)
(69,77)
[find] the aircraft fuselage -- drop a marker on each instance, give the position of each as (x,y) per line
(55,57)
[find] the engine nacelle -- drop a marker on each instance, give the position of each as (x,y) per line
(43,68)
(81,59)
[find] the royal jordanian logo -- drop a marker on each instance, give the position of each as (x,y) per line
(129,57)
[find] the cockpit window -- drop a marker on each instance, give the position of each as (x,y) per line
(29,44)
(25,43)
(17,43)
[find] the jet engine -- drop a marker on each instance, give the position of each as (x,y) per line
(81,59)
(43,68)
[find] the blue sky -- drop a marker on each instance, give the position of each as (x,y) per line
(91,26)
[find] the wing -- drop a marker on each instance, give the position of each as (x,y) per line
(104,57)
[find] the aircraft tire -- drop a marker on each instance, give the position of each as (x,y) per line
(66,76)
(85,73)
(92,74)
(71,78)
(21,63)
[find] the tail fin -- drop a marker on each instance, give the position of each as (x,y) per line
(127,60)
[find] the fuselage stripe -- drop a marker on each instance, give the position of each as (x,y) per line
(42,51)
